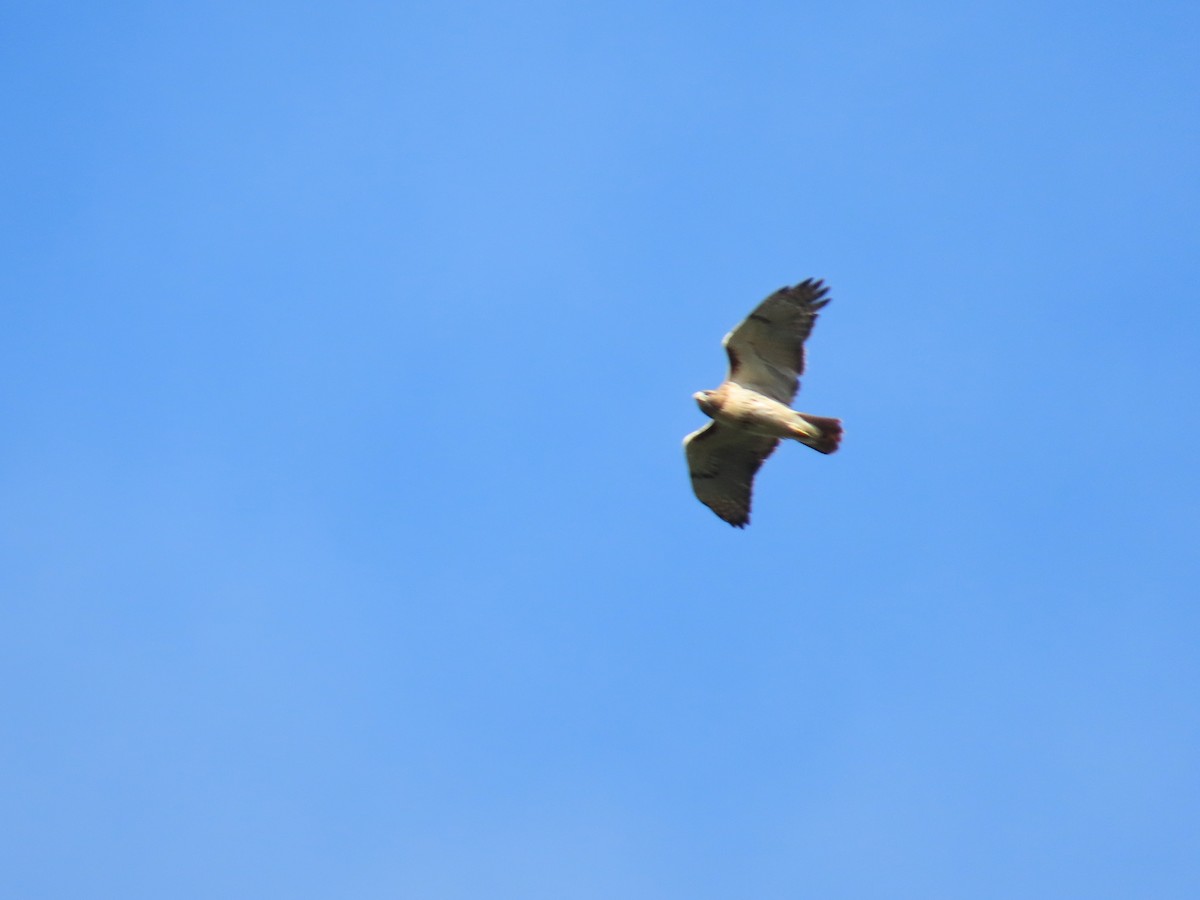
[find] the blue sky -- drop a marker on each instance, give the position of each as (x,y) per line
(348,548)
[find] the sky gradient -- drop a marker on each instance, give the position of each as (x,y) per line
(348,549)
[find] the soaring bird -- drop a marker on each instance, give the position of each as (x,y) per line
(751,410)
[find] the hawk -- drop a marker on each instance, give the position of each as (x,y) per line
(750,411)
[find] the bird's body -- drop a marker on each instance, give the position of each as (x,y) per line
(750,412)
(755,413)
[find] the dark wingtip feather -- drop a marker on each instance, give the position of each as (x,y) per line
(816,291)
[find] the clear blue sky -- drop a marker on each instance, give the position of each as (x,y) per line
(348,549)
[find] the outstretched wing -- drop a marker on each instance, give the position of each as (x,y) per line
(766,351)
(723,461)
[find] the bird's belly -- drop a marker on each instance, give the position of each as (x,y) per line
(758,414)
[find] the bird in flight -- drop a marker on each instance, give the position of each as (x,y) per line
(751,410)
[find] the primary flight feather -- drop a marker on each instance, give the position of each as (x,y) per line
(751,410)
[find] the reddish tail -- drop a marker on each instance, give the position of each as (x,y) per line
(831,433)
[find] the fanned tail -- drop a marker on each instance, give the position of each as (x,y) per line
(830,436)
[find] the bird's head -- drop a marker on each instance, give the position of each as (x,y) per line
(705,401)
